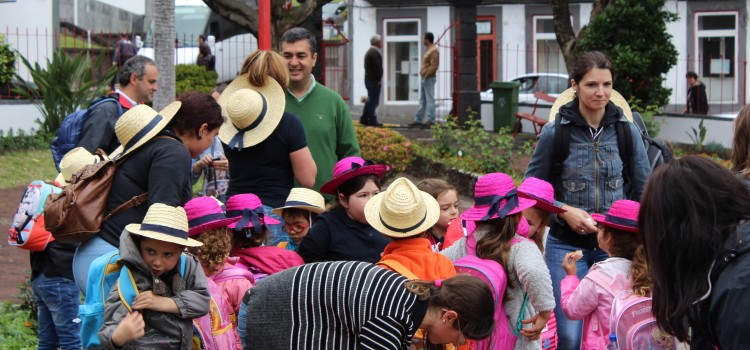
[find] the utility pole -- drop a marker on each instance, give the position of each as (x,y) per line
(264,24)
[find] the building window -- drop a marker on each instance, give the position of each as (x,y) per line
(716,54)
(548,57)
(402,45)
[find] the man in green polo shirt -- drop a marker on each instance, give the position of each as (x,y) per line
(324,114)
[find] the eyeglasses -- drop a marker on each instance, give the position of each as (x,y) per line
(294,228)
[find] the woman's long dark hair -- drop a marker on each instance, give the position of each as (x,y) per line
(689,207)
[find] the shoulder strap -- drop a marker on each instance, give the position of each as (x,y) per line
(561,149)
(398,267)
(233,273)
(625,147)
(128,289)
(132,202)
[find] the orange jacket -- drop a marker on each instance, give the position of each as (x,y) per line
(416,255)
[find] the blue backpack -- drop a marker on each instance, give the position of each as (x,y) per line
(69,133)
(103,273)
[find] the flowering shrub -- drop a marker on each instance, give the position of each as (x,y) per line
(385,146)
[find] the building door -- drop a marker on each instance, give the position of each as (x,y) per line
(486,63)
(402,45)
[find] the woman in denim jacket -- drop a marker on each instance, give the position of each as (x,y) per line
(591,178)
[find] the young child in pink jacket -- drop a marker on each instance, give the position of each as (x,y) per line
(590,299)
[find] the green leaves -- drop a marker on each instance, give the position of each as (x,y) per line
(67,83)
(190,77)
(7,62)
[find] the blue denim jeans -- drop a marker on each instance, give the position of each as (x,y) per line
(85,255)
(241,317)
(427,100)
(373,100)
(275,234)
(568,331)
(57,302)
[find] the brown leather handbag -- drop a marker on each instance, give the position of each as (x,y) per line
(77,213)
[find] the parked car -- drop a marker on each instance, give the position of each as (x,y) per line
(551,83)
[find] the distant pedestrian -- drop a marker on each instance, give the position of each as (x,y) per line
(373,78)
(205,58)
(125,50)
(428,70)
(697,99)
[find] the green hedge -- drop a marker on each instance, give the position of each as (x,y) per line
(190,77)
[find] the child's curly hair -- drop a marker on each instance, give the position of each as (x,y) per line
(215,249)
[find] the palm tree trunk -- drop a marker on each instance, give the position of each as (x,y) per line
(164,48)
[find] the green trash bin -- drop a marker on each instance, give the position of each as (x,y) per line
(504,104)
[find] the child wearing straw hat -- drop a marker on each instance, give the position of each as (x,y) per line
(208,225)
(497,213)
(168,298)
(590,298)
(301,208)
(344,233)
(403,213)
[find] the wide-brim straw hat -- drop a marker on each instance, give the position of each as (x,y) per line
(72,162)
(205,213)
(303,198)
(569,95)
(165,223)
(541,191)
(622,215)
(351,167)
(495,196)
(139,125)
(251,112)
(402,210)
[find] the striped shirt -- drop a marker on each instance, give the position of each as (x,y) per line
(333,305)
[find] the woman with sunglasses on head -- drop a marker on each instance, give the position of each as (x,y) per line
(356,305)
(265,146)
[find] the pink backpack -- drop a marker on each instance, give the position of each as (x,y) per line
(635,326)
(493,274)
(231,272)
(214,331)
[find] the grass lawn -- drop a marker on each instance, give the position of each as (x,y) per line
(18,168)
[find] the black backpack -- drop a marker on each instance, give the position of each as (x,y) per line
(658,150)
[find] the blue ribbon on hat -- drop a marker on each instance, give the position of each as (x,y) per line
(206,219)
(405,229)
(170,231)
(142,133)
(494,203)
(620,221)
(247,216)
(236,142)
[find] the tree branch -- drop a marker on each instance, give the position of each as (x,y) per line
(237,12)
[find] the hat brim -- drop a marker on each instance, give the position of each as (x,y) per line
(602,219)
(167,114)
(372,214)
(543,204)
(211,225)
(276,102)
(569,95)
(267,220)
(61,181)
(136,230)
(311,208)
(375,169)
(478,213)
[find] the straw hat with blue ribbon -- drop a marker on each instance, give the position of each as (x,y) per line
(252,112)
(139,125)
(402,210)
(73,161)
(165,223)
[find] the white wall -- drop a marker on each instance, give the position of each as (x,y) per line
(137,7)
(21,116)
(438,20)
(513,40)
(364,21)
(24,25)
(676,76)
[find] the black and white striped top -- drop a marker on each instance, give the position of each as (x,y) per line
(332,305)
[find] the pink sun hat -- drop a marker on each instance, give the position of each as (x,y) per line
(249,209)
(495,196)
(622,215)
(541,191)
(351,167)
(205,213)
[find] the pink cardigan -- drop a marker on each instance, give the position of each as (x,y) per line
(589,301)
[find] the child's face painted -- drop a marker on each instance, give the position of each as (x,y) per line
(296,227)
(160,256)
(448,201)
(537,219)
